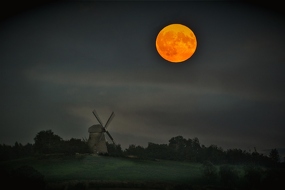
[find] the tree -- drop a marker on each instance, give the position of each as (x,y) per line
(114,149)
(237,156)
(214,153)
(47,142)
(74,146)
(134,150)
(177,143)
(158,151)
(196,150)
(17,149)
(274,155)
(178,147)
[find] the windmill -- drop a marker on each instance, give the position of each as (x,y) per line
(97,140)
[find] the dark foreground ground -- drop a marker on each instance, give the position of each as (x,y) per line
(103,173)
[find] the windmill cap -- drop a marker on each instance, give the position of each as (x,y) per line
(95,129)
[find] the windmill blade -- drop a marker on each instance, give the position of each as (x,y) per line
(110,136)
(102,135)
(97,117)
(110,119)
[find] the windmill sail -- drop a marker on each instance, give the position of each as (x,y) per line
(110,137)
(97,117)
(109,120)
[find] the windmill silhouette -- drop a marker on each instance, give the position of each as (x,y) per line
(97,140)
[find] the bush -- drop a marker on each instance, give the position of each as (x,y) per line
(274,178)
(26,177)
(228,175)
(209,171)
(253,177)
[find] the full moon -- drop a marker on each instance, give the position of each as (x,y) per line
(176,43)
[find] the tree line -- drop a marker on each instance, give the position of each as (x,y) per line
(45,143)
(178,149)
(181,149)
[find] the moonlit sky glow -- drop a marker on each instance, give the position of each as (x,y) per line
(61,60)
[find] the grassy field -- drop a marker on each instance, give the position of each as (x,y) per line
(106,169)
(105,172)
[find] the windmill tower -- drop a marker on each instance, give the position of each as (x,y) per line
(97,140)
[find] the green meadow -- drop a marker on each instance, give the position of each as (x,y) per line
(105,172)
(60,169)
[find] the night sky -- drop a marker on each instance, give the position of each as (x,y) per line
(61,60)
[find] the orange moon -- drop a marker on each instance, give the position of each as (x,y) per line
(176,43)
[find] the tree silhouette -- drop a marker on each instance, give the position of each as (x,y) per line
(274,155)
(114,149)
(74,146)
(47,142)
